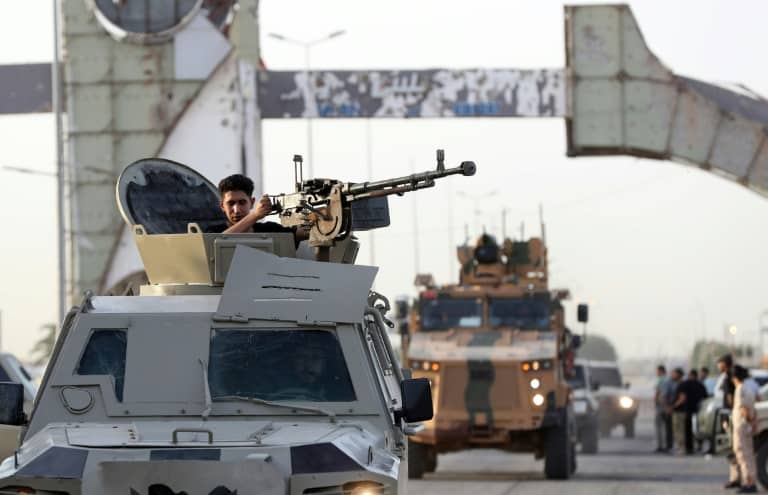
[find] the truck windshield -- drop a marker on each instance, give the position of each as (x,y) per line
(443,313)
(278,365)
(577,379)
(525,313)
(606,376)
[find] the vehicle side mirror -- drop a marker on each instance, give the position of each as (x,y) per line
(417,400)
(402,308)
(11,403)
(582,312)
(627,385)
(577,341)
(402,327)
(595,386)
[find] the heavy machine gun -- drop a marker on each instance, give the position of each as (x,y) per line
(331,209)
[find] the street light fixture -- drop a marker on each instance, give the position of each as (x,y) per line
(310,109)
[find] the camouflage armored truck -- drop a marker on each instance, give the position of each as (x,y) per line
(498,354)
(239,368)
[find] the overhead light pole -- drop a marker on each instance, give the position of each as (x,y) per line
(310,110)
(60,178)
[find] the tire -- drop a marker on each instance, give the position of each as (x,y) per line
(430,459)
(559,460)
(590,439)
(629,429)
(762,464)
(418,460)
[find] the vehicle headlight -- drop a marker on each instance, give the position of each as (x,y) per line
(626,402)
(363,488)
(535,383)
(538,400)
(425,365)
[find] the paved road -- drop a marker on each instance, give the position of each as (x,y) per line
(625,466)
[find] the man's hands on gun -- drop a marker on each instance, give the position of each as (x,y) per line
(264,207)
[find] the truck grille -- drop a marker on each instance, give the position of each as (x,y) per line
(490,383)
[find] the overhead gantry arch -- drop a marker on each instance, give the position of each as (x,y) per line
(621,100)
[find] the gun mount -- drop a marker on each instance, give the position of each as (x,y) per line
(175,218)
(324,206)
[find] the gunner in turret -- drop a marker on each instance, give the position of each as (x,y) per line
(244,212)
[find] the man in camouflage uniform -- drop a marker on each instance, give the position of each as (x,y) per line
(742,417)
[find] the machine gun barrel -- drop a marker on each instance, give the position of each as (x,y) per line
(406,183)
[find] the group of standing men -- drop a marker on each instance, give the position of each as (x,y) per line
(678,400)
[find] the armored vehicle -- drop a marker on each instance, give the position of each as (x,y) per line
(239,368)
(498,354)
(586,407)
(618,407)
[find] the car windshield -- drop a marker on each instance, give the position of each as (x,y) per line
(526,313)
(279,365)
(442,313)
(606,376)
(577,379)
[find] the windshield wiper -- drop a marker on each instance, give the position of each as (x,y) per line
(285,405)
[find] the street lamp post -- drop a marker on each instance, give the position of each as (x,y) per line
(762,328)
(60,216)
(311,104)
(732,331)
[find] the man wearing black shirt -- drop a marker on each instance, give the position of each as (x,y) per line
(690,393)
(237,203)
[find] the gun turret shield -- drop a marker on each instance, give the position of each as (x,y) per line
(165,196)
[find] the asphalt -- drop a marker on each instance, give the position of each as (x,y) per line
(625,466)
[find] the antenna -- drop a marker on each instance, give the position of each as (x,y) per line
(543,225)
(298,171)
(522,231)
(440,160)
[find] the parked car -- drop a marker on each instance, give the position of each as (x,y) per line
(586,407)
(712,419)
(11,370)
(617,406)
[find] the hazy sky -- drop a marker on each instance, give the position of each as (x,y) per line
(663,252)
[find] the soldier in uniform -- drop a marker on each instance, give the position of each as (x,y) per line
(742,418)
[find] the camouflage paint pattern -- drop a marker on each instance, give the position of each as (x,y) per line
(481,393)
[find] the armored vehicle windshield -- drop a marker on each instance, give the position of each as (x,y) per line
(443,313)
(526,313)
(275,365)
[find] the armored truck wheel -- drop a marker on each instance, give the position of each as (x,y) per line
(629,429)
(590,439)
(762,464)
(421,459)
(559,462)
